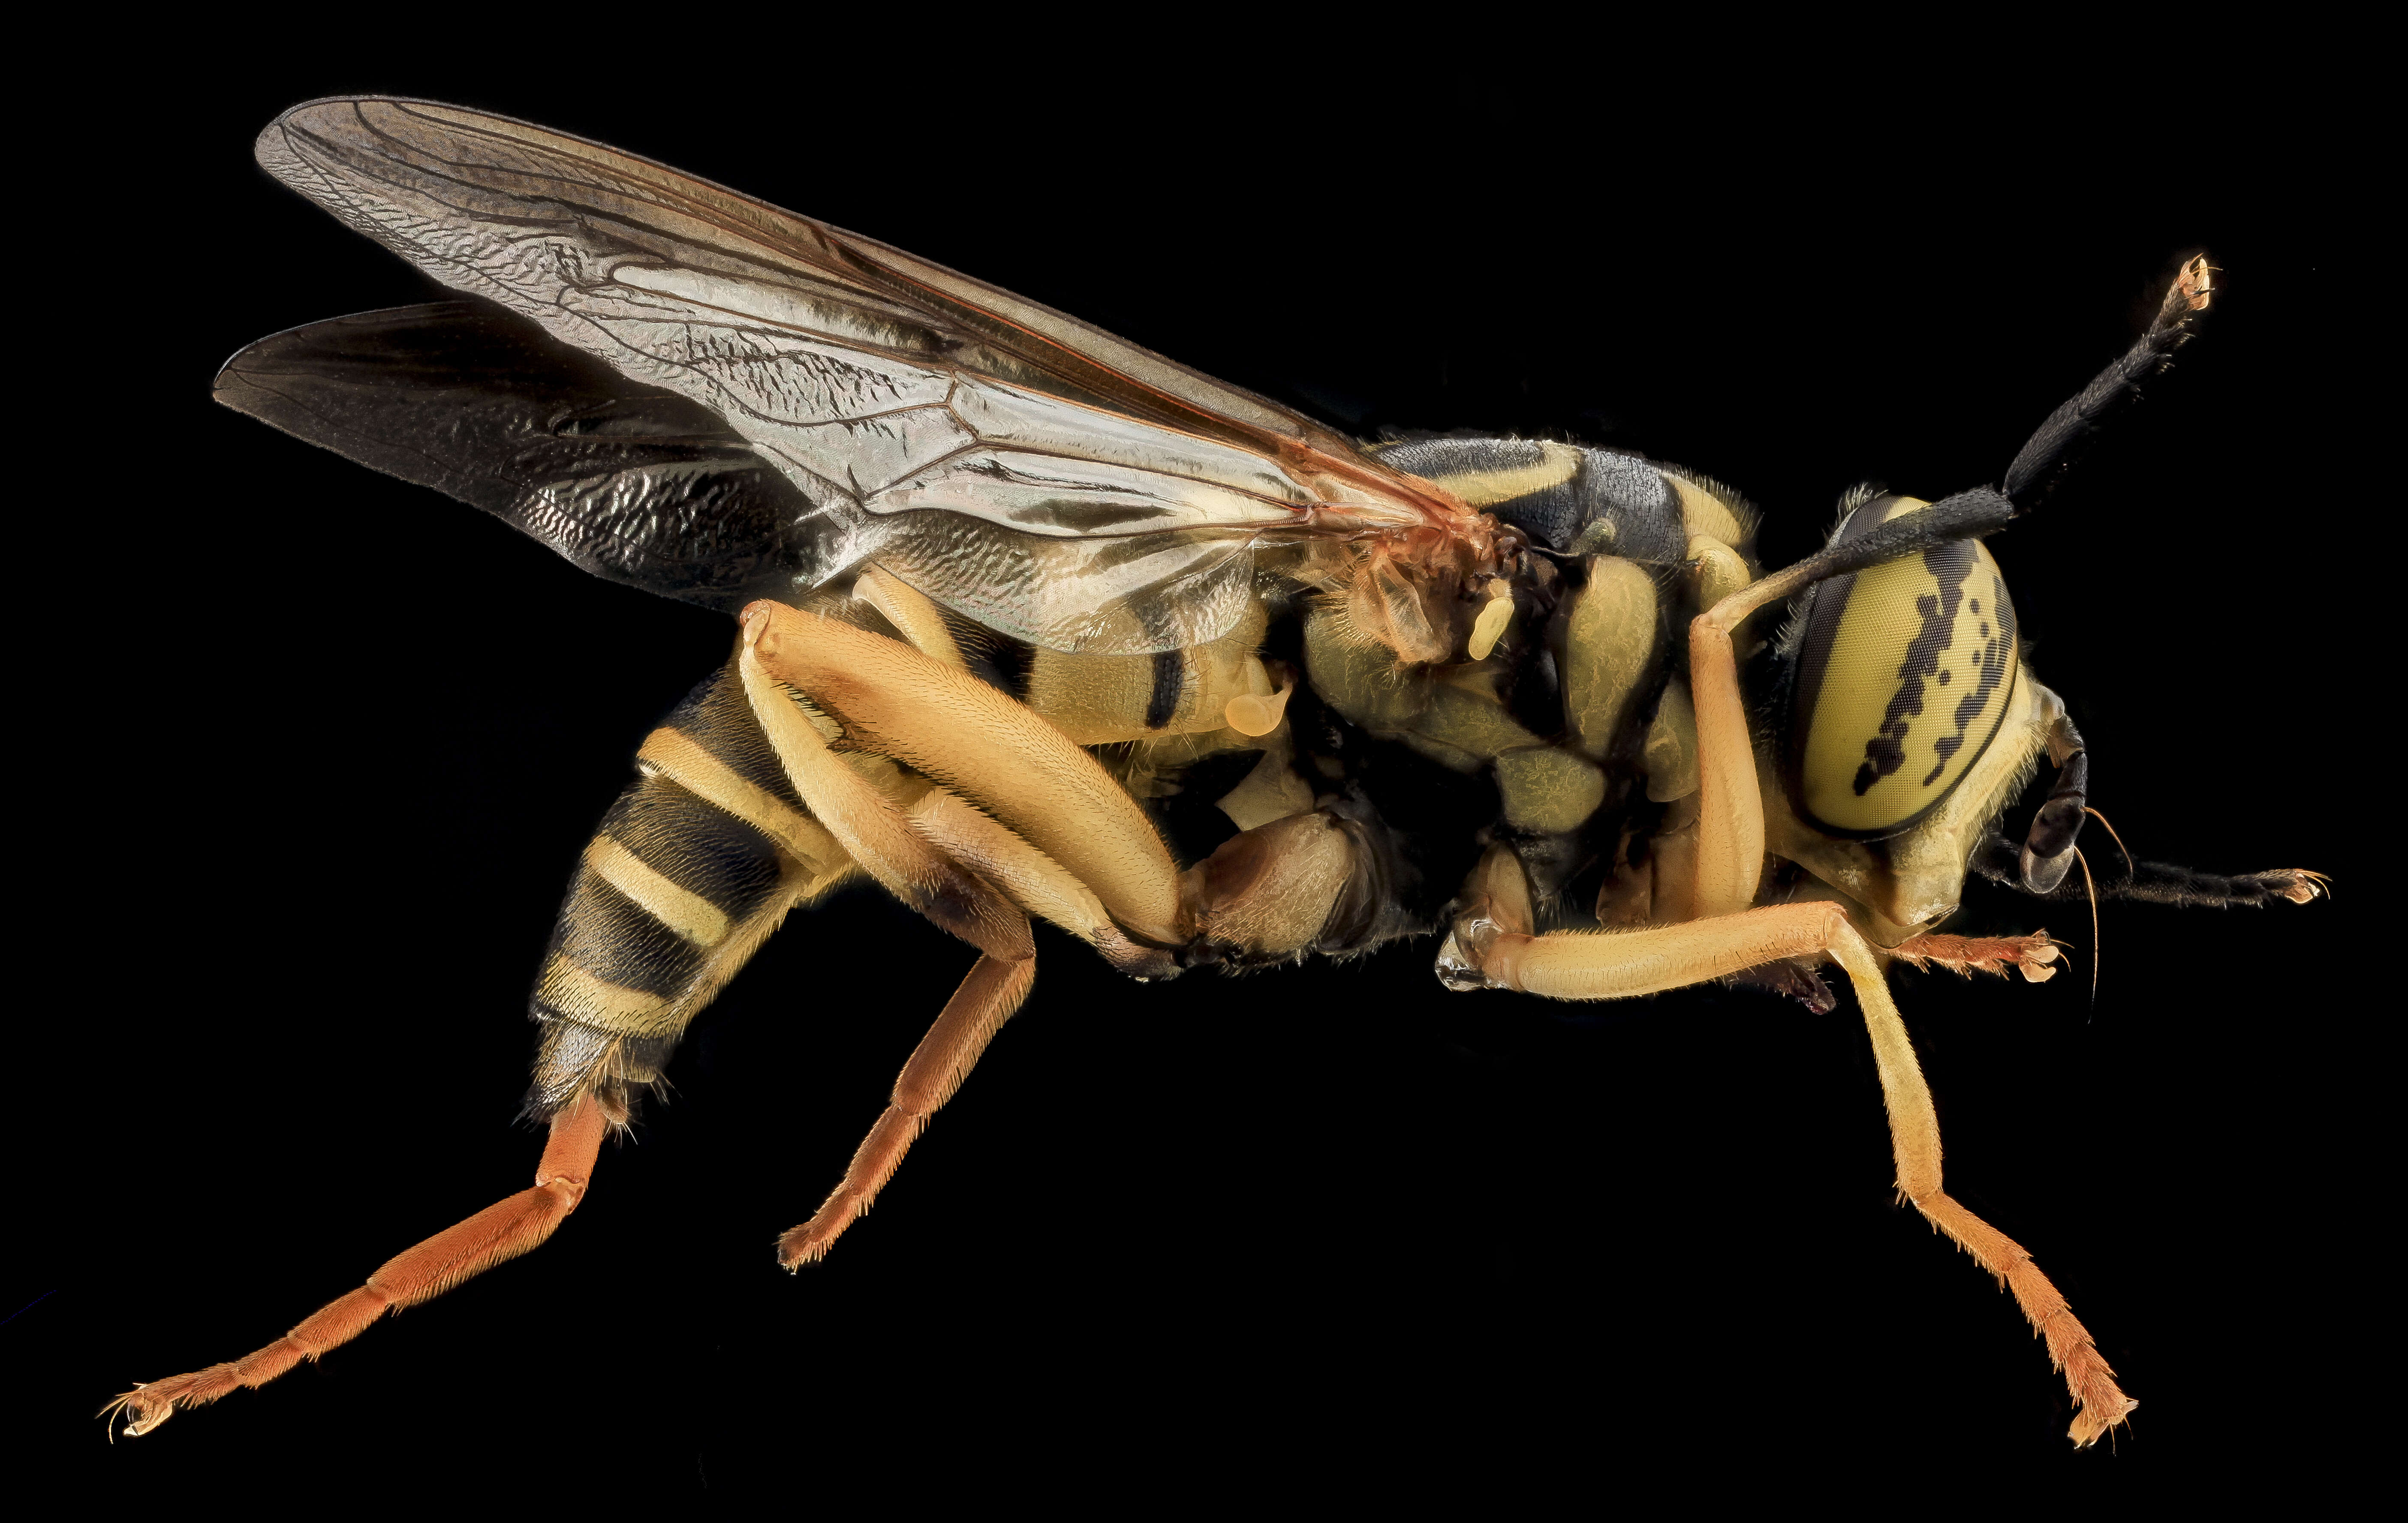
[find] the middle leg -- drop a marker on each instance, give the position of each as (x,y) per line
(987,999)
(1006,817)
(864,808)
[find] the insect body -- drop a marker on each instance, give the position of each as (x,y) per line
(1033,622)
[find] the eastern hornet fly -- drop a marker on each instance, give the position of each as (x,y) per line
(1032,622)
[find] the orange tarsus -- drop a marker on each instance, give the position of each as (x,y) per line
(990,994)
(502,1230)
(1965,956)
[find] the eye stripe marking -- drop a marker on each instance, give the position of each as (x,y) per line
(1903,681)
(1949,565)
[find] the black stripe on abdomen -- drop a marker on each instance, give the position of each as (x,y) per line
(696,845)
(616,939)
(718,716)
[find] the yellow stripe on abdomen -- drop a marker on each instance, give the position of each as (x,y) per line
(684,761)
(680,910)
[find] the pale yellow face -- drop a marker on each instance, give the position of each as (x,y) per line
(1904,674)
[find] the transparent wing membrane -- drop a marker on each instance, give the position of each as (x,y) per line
(1030,471)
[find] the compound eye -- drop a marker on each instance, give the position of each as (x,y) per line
(1903,673)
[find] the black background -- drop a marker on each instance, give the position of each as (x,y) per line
(332,744)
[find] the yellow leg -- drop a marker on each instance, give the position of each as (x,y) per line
(905,847)
(949,725)
(1031,880)
(979,871)
(1619,964)
(872,830)
(912,614)
(1730,815)
(1730,812)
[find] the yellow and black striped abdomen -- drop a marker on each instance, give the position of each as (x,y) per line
(1903,675)
(693,866)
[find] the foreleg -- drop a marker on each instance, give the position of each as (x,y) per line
(501,1232)
(2035,956)
(1487,949)
(1915,1142)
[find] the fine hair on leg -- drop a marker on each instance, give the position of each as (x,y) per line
(1999,859)
(499,1232)
(1623,964)
(1914,1143)
(994,990)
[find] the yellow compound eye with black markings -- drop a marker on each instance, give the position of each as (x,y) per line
(1903,674)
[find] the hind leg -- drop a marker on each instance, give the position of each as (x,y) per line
(501,1232)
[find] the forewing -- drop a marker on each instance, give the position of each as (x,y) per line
(996,451)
